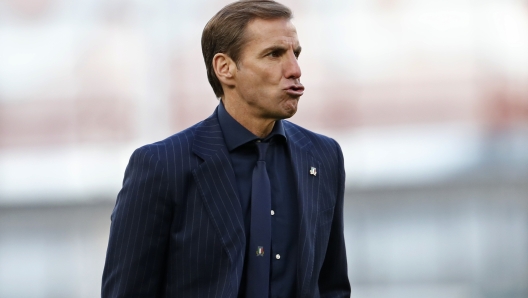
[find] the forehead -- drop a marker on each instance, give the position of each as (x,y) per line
(262,33)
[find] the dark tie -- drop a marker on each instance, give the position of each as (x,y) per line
(258,267)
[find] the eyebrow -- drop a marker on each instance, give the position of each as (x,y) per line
(298,49)
(280,48)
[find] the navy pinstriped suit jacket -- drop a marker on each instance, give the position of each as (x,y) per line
(177,227)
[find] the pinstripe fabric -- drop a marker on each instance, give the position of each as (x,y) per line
(177,227)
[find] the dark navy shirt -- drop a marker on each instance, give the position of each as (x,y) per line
(243,153)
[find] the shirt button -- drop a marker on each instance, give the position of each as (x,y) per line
(272,212)
(277,256)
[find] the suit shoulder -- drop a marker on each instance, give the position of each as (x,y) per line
(178,143)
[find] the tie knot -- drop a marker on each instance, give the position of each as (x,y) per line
(262,148)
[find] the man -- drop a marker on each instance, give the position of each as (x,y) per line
(244,203)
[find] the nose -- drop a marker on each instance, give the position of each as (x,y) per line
(292,70)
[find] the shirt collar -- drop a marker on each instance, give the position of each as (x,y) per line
(236,135)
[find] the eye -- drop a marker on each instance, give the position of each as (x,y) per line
(274,54)
(297,53)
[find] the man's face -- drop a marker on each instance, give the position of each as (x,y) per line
(268,75)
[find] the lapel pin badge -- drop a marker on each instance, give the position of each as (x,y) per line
(260,251)
(313,171)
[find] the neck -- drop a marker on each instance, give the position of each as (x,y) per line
(259,126)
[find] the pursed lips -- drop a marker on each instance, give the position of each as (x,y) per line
(295,89)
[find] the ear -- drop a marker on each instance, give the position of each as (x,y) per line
(224,68)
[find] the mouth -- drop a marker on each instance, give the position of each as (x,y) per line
(295,90)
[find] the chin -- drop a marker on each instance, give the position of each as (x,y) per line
(284,110)
(290,109)
(288,113)
(281,114)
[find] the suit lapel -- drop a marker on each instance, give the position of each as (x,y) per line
(217,184)
(307,194)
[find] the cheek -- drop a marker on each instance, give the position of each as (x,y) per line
(271,74)
(265,80)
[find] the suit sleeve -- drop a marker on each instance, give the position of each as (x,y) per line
(333,278)
(137,248)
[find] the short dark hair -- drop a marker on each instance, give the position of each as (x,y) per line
(224,33)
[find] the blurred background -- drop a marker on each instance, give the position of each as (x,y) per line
(428,99)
